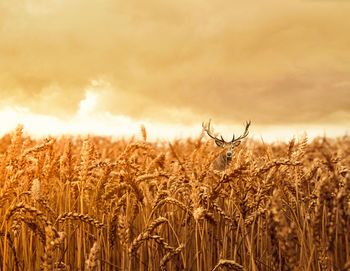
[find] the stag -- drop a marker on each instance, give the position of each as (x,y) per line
(225,158)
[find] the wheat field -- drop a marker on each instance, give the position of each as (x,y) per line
(93,203)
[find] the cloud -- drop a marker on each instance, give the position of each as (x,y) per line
(178,61)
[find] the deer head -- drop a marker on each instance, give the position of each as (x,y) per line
(225,158)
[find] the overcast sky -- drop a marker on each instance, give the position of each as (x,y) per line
(277,63)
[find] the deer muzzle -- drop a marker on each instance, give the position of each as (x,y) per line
(228,157)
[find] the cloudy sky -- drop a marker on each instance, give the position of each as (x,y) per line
(88,66)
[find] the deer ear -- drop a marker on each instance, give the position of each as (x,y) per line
(235,144)
(219,143)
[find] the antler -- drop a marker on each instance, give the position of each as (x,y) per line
(245,134)
(208,131)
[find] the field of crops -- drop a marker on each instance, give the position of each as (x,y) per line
(96,204)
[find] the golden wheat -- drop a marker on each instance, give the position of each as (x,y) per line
(96,204)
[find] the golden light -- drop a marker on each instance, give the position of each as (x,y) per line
(105,68)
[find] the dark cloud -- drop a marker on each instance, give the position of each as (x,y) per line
(180,61)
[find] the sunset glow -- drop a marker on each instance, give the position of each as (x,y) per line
(105,68)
